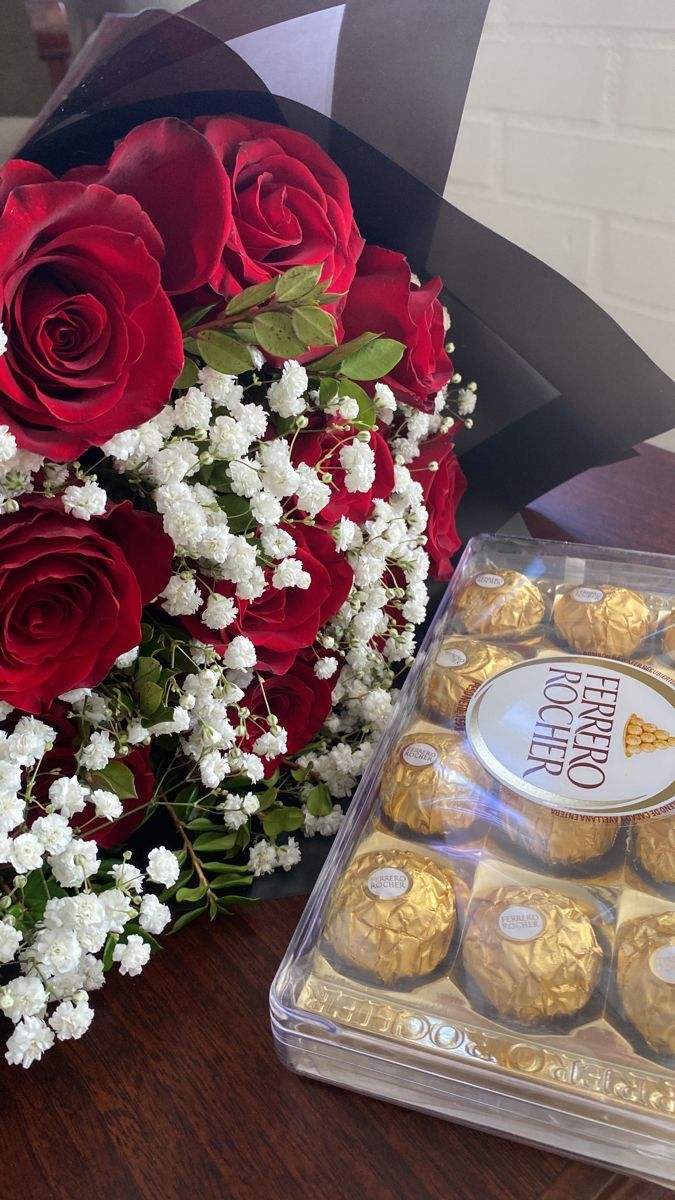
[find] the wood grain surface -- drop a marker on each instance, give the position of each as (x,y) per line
(175,1093)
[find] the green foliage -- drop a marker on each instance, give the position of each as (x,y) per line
(314,326)
(251,297)
(297,283)
(188,376)
(275,334)
(284,819)
(319,802)
(115,777)
(224,352)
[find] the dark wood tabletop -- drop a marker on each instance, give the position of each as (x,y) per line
(176,1093)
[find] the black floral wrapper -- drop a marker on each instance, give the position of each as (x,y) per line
(381,84)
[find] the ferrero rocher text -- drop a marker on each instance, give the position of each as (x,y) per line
(460,663)
(501,604)
(556,838)
(532,952)
(392,915)
(606,620)
(432,784)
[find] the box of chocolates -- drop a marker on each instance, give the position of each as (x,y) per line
(492,938)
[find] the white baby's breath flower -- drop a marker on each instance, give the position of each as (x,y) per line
(181,596)
(325,668)
(98,752)
(240,655)
(125,660)
(291,573)
(85,501)
(132,955)
(262,858)
(71,1019)
(153,916)
(289,855)
(29,1041)
(266,509)
(24,996)
(163,866)
(466,402)
(10,940)
(220,611)
(286,395)
(7,439)
(53,832)
(107,804)
(26,853)
(68,795)
(3,341)
(193,410)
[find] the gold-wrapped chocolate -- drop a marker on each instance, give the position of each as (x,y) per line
(460,663)
(503,604)
(555,838)
(532,953)
(654,847)
(605,620)
(645,975)
(392,915)
(432,784)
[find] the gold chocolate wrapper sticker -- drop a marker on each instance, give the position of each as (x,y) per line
(603,620)
(532,952)
(554,730)
(500,605)
(392,915)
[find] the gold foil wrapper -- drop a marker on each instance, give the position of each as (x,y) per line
(554,838)
(603,620)
(532,952)
(646,978)
(432,784)
(654,847)
(460,663)
(392,915)
(503,604)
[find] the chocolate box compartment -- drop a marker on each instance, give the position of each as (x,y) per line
(586,1088)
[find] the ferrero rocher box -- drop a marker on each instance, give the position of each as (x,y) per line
(492,938)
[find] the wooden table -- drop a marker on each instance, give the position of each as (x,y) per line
(176,1093)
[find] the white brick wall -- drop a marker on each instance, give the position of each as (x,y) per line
(567,147)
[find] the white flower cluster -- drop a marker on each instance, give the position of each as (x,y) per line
(60,958)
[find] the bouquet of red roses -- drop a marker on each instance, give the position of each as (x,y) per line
(226,468)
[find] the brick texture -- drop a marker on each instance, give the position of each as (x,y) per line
(567,147)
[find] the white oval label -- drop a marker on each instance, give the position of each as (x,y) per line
(387,883)
(662,963)
(520,923)
(489,581)
(420,754)
(556,730)
(587,595)
(451,657)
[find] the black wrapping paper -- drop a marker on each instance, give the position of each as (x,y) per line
(381,84)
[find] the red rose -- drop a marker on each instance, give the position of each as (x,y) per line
(324,445)
(443,490)
(178,179)
(285,620)
(94,345)
(384,299)
(61,760)
(290,205)
(299,701)
(71,595)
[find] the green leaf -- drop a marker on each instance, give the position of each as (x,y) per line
(182,878)
(319,802)
(251,297)
(374,360)
(267,797)
(148,670)
(328,390)
(221,885)
(296,283)
(282,820)
(314,327)
(202,823)
(116,777)
(190,895)
(207,841)
(367,417)
(238,511)
(274,331)
(186,918)
(224,868)
(331,361)
(188,376)
(299,774)
(110,944)
(224,352)
(194,316)
(150,697)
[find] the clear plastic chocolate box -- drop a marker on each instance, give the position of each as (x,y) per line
(492,938)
